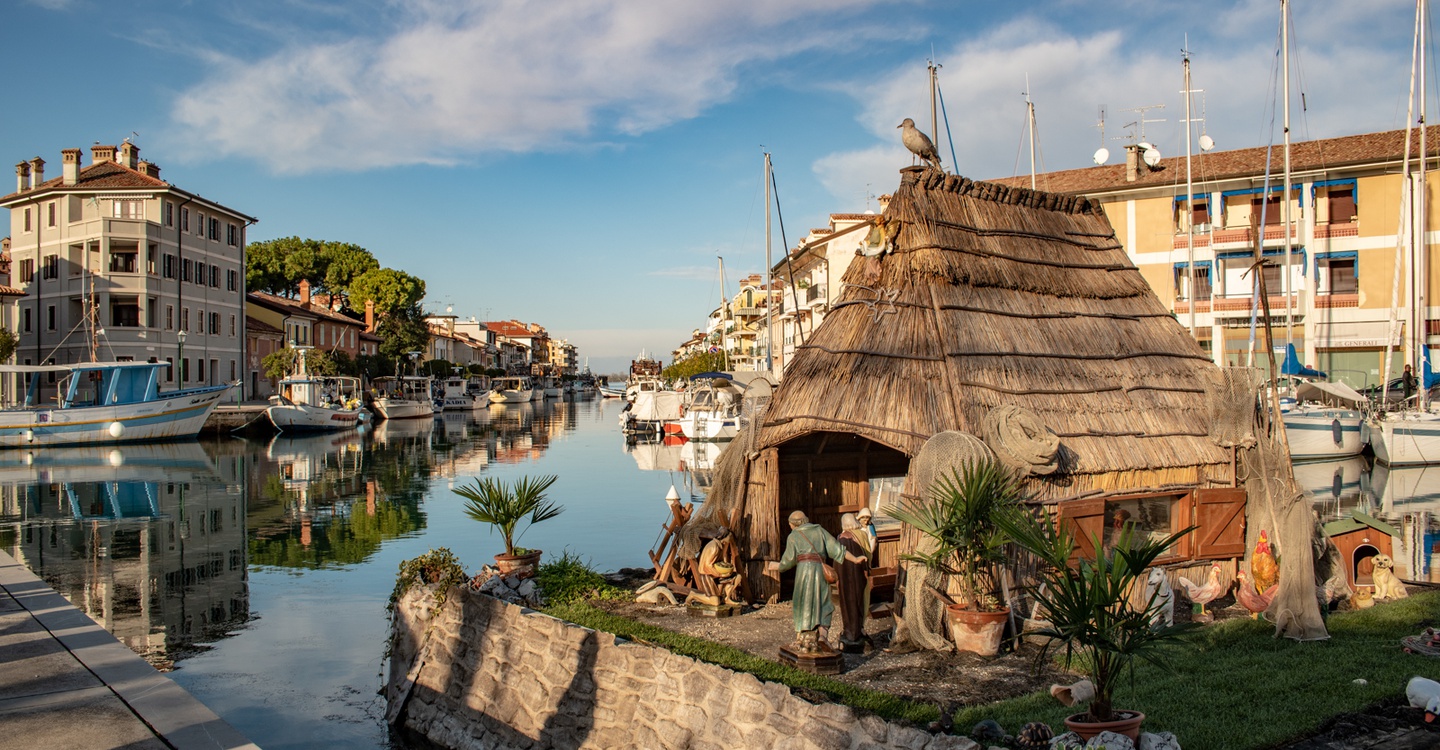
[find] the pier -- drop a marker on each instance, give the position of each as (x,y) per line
(66,682)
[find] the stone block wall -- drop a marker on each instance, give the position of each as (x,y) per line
(497,675)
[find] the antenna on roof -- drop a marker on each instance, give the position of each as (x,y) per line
(1102,154)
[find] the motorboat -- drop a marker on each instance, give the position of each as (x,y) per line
(510,390)
(308,402)
(712,409)
(550,387)
(642,384)
(102,402)
(406,397)
(455,395)
(1325,421)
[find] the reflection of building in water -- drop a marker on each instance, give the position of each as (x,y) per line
(1406,499)
(155,553)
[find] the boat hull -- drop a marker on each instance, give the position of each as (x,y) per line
(510,396)
(1317,434)
(1406,439)
(390,408)
(306,418)
(698,426)
(174,416)
(467,403)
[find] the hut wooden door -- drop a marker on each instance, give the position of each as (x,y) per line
(831,493)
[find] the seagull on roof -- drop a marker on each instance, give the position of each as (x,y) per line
(918,143)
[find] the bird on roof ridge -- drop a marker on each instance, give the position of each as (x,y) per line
(918,143)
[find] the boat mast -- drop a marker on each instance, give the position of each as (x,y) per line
(1030,127)
(724,315)
(769,308)
(1189,203)
(1287,282)
(934,118)
(1421,247)
(1404,227)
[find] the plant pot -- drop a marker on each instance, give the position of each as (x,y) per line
(1128,726)
(975,631)
(518,565)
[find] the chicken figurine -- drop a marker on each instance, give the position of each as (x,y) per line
(1263,567)
(1213,589)
(1249,599)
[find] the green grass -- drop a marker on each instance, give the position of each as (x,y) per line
(568,579)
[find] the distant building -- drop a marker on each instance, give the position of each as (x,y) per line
(138,258)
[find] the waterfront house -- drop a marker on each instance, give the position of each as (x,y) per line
(307,322)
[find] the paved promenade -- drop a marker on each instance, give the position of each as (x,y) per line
(67,683)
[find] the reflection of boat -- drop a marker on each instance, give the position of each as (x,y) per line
(697,455)
(170,462)
(1406,489)
(103,402)
(406,397)
(319,403)
(392,430)
(1331,480)
(657,455)
(511,390)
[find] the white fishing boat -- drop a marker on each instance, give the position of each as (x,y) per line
(1405,438)
(456,395)
(320,403)
(406,397)
(712,409)
(642,384)
(550,387)
(510,390)
(102,402)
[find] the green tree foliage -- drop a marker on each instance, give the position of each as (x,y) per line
(343,264)
(374,365)
(277,266)
(437,368)
(280,363)
(8,342)
(394,292)
(695,364)
(402,332)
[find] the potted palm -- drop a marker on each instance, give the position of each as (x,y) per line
(504,507)
(1091,614)
(960,517)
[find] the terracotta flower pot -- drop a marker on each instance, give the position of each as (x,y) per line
(975,631)
(519,565)
(1128,726)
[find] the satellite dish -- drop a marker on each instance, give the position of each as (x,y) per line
(1152,156)
(1206,142)
(1144,146)
(1102,155)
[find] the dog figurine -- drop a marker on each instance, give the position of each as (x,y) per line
(1158,591)
(1387,584)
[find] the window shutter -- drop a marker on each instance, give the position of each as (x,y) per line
(1220,514)
(1086,521)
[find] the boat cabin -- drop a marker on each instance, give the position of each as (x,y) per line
(91,384)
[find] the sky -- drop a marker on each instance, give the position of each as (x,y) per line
(581,164)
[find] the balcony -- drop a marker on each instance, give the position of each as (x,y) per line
(1337,229)
(1182,306)
(1239,237)
(815,296)
(1238,306)
(1332,301)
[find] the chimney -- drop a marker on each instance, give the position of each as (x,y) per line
(129,152)
(1132,162)
(101,154)
(369,316)
(22,176)
(149,169)
(304,292)
(37,172)
(70,165)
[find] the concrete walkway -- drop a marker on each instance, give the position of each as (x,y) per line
(67,683)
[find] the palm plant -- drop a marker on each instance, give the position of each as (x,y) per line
(1088,604)
(504,507)
(961,515)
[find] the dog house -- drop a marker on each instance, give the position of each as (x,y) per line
(1360,538)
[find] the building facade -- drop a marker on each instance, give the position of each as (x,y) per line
(116,263)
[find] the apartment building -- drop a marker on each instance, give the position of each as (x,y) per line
(116,263)
(809,275)
(1332,294)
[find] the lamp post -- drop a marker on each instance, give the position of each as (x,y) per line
(180,357)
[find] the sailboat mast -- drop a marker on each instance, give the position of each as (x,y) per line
(1404,227)
(1030,128)
(1288,283)
(1422,241)
(1189,204)
(769,331)
(934,117)
(724,315)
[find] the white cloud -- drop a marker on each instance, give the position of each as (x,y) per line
(454,80)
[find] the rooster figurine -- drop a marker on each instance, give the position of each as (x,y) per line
(1213,589)
(1263,566)
(1250,600)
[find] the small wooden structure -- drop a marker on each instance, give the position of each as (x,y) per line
(1360,538)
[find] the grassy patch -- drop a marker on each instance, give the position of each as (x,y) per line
(568,579)
(1240,687)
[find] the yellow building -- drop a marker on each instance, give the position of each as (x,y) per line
(1338,286)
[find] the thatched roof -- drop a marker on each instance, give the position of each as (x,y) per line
(993,295)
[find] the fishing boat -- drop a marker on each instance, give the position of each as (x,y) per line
(712,409)
(406,397)
(456,395)
(511,390)
(550,387)
(320,403)
(102,402)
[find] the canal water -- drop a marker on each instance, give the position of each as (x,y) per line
(258,569)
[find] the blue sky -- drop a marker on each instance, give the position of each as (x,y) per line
(580,163)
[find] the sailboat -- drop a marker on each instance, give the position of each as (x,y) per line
(1412,436)
(1323,421)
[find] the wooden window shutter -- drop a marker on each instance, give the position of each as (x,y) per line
(1220,514)
(1086,522)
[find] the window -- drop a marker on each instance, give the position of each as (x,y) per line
(50,318)
(1270,205)
(1338,276)
(50,211)
(150,312)
(27,270)
(125,312)
(122,259)
(232,235)
(1341,203)
(1202,282)
(129,209)
(185,319)
(169,213)
(200,318)
(232,280)
(200,223)
(186,269)
(1199,216)
(184,219)
(232,326)
(215,229)
(185,370)
(214,324)
(232,370)
(169,317)
(215,276)
(27,218)
(26,320)
(150,259)
(52,267)
(320,337)
(167,267)
(200,370)
(170,371)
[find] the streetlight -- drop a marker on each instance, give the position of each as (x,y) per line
(180,357)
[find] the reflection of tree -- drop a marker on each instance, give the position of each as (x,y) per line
(347,538)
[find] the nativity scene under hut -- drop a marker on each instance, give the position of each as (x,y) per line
(996,323)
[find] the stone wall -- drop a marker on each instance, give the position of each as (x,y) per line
(497,675)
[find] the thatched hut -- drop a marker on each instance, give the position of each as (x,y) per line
(982,298)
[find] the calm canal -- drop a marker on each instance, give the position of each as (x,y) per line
(259,569)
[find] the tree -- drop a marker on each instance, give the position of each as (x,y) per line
(277,266)
(8,342)
(392,291)
(694,365)
(344,263)
(280,363)
(402,332)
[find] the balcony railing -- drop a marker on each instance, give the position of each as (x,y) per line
(1337,229)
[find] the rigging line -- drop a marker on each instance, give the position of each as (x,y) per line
(1300,81)
(789,267)
(954,165)
(1264,205)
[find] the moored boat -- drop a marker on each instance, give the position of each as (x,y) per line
(405,397)
(318,403)
(456,395)
(103,402)
(510,390)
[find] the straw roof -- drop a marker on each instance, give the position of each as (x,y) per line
(990,295)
